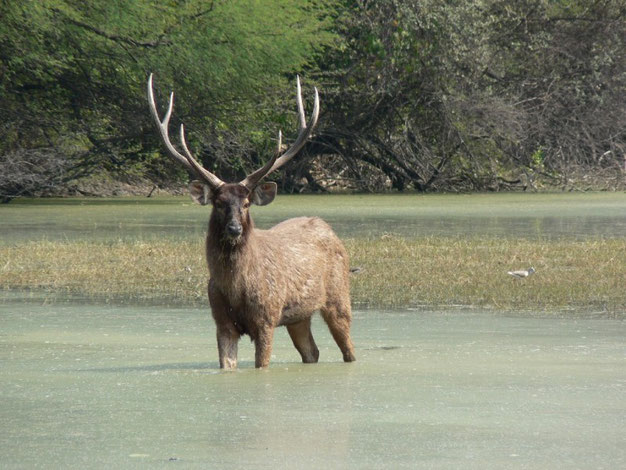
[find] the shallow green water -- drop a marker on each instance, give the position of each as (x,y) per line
(508,215)
(92,386)
(95,386)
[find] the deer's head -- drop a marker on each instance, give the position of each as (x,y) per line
(231,201)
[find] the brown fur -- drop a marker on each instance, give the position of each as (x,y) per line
(277,277)
(261,279)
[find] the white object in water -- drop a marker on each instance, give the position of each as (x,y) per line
(522,274)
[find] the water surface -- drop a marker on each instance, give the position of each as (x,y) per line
(502,215)
(97,386)
(85,385)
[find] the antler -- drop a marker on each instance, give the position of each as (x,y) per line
(251,180)
(187,160)
(305,132)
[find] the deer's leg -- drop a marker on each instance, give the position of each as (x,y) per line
(227,341)
(303,340)
(263,346)
(338,319)
(227,334)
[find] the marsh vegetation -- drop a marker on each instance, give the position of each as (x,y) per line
(415,251)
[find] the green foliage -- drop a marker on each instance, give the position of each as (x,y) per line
(418,94)
(537,158)
(81,70)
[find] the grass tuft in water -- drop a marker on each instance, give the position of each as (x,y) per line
(441,271)
(395,271)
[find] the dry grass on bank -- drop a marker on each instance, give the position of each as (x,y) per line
(396,272)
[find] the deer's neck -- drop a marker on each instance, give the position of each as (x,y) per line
(229,262)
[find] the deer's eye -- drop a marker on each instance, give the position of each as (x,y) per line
(246,204)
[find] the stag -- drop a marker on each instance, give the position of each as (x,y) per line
(262,279)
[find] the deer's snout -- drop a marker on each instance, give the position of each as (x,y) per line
(234,229)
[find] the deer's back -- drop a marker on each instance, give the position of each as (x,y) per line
(310,265)
(308,244)
(301,229)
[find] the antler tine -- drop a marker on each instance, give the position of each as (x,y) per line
(299,101)
(210,178)
(303,135)
(189,162)
(252,179)
(163,125)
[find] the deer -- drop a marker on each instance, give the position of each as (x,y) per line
(262,279)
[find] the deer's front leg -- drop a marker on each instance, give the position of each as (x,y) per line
(263,346)
(227,334)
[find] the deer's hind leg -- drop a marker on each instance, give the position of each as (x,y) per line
(263,338)
(303,340)
(338,317)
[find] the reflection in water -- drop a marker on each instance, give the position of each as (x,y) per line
(112,386)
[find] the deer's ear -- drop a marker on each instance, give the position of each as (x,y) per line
(200,192)
(264,193)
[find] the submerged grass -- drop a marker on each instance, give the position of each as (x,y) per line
(395,271)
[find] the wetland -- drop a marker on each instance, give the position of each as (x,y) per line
(109,359)
(411,250)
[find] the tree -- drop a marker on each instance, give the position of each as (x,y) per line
(476,95)
(424,95)
(76,82)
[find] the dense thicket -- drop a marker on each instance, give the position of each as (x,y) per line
(478,95)
(416,94)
